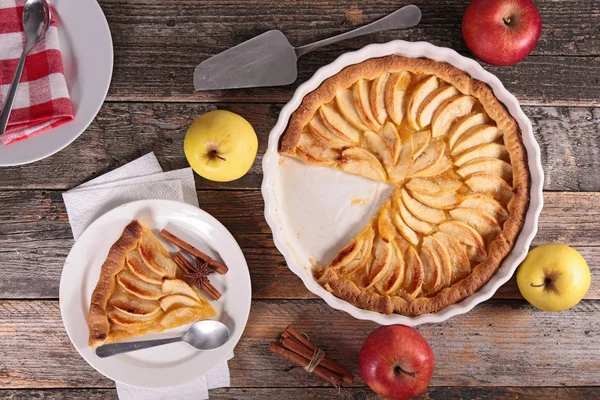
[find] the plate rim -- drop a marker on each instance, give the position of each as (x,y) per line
(92,116)
(270,165)
(136,205)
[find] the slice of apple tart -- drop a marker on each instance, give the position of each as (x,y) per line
(459,165)
(141,290)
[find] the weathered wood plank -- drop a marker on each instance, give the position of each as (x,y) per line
(354,393)
(157,47)
(35,235)
(483,348)
(569,139)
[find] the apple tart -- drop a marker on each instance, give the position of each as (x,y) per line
(141,290)
(459,166)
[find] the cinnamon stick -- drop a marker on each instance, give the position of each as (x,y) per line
(291,344)
(182,244)
(324,373)
(185,265)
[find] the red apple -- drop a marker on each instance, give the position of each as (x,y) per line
(396,362)
(501,32)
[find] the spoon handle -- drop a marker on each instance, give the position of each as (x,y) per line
(403,18)
(11,93)
(108,350)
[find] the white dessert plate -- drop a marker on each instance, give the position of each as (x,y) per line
(314,211)
(87,50)
(172,364)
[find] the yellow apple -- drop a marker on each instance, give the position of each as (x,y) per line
(220,146)
(553,277)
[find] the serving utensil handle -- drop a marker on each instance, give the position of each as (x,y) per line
(403,18)
(10,98)
(107,350)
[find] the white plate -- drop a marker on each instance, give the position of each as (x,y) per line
(87,50)
(175,363)
(313,211)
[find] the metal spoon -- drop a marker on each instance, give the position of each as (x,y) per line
(36,20)
(203,335)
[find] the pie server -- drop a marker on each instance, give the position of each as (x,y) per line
(270,60)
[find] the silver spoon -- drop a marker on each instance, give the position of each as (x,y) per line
(36,20)
(203,335)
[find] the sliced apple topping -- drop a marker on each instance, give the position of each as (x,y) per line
(338,124)
(461,266)
(129,322)
(136,309)
(174,317)
(385,225)
(362,103)
(420,142)
(382,262)
(413,222)
(433,188)
(138,287)
(486,204)
(405,230)
(323,133)
(444,258)
(405,160)
(413,278)
(173,301)
(492,166)
(443,201)
(427,161)
(395,90)
(348,261)
(441,166)
(433,102)
(141,270)
(467,236)
(452,109)
(422,89)
(492,185)
(432,270)
(464,124)
(486,150)
(394,277)
(348,253)
(475,136)
(177,286)
(390,135)
(422,211)
(485,224)
(359,161)
(344,99)
(377,97)
(380,148)
(313,150)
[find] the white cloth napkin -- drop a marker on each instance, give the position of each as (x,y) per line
(141,179)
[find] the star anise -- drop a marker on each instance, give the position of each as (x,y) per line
(199,274)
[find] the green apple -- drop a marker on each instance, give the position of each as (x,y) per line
(553,277)
(220,146)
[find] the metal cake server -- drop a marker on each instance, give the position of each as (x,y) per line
(270,60)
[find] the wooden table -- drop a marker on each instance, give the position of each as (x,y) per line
(504,348)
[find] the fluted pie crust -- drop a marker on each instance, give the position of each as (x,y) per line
(139,265)
(354,287)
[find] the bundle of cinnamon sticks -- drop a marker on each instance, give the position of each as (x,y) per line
(298,349)
(200,259)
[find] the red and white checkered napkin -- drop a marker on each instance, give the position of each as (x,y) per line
(42,101)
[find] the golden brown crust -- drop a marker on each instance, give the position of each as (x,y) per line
(115,261)
(499,248)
